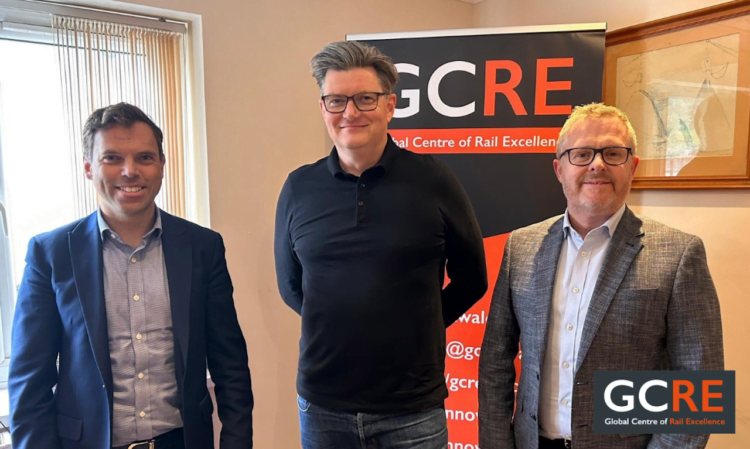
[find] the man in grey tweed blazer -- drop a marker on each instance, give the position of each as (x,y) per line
(598,288)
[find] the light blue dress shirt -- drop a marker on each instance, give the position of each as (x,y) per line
(141,341)
(578,269)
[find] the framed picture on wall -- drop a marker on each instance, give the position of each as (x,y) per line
(684,82)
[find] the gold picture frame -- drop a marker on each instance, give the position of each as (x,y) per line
(684,82)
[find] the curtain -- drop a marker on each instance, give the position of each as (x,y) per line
(103,63)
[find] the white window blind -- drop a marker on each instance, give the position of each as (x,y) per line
(103,63)
(58,63)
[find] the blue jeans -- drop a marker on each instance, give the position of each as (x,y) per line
(322,428)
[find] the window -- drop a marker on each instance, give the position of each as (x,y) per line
(44,99)
(36,171)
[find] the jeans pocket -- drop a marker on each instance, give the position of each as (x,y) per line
(302,404)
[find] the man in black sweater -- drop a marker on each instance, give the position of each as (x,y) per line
(364,238)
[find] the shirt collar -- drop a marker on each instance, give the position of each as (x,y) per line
(610,225)
(104,228)
(384,164)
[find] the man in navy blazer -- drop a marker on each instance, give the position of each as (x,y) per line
(133,304)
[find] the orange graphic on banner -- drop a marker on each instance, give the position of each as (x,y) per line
(464,340)
(477,140)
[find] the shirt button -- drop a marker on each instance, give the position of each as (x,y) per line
(142,414)
(136,297)
(584,253)
(566,365)
(131,260)
(575,290)
(138,336)
(569,327)
(361,185)
(567,437)
(361,203)
(564,402)
(140,375)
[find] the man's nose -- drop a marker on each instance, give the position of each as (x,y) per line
(598,162)
(351,109)
(129,168)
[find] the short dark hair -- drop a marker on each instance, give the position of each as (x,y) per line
(120,114)
(348,55)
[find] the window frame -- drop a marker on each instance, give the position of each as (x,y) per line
(6,298)
(30,21)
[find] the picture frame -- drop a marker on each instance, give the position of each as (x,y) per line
(684,82)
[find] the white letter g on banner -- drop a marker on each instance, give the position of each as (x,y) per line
(410,94)
(628,398)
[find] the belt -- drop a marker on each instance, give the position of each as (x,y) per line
(165,440)
(546,443)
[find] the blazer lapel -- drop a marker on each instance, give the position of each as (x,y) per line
(545,270)
(178,258)
(85,247)
(625,245)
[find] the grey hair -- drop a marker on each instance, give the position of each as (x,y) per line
(594,111)
(347,55)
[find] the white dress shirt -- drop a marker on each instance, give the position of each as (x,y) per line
(578,269)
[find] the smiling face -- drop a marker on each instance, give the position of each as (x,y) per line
(354,130)
(596,191)
(127,172)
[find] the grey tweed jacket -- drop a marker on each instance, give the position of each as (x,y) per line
(654,307)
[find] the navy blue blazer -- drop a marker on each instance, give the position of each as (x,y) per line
(61,312)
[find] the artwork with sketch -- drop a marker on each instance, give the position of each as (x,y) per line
(682,99)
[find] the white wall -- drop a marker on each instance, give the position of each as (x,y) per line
(720,217)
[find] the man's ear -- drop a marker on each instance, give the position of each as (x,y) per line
(636,159)
(87,168)
(390,104)
(322,107)
(558,169)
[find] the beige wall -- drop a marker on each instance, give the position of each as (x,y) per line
(262,122)
(617,13)
(720,217)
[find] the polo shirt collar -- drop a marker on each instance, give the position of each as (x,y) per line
(384,164)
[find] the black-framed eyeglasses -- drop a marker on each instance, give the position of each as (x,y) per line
(610,155)
(364,101)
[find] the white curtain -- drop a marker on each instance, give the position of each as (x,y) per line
(104,63)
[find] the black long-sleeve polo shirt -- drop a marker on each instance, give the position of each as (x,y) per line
(363,261)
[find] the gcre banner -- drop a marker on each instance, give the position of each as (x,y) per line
(490,103)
